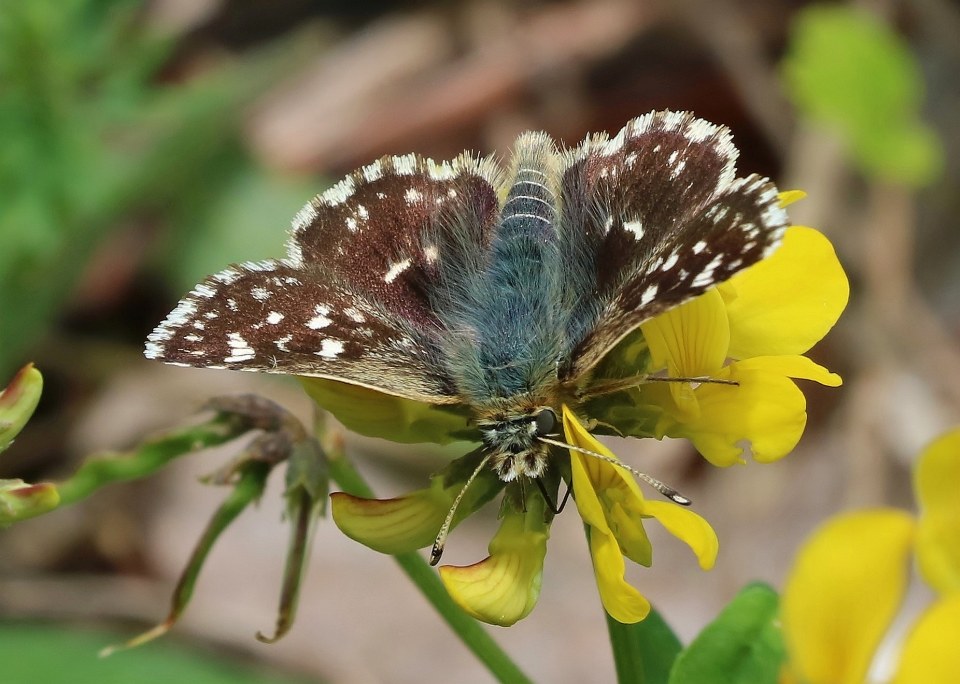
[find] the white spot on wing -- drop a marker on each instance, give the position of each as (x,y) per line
(203,290)
(677,169)
(395,270)
(185,309)
(260,294)
(670,262)
(239,349)
(635,227)
(373,172)
(330,348)
(699,247)
(274,317)
(152,350)
(405,165)
(699,130)
(705,277)
(649,294)
(412,196)
(320,320)
(304,217)
(340,192)
(228,276)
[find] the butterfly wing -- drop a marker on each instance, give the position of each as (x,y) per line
(652,218)
(352,300)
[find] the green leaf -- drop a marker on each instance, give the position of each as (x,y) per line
(47,654)
(645,651)
(847,69)
(742,646)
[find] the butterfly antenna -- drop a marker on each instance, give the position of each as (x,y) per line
(665,490)
(441,539)
(617,385)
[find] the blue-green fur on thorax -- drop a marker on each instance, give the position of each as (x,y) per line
(509,326)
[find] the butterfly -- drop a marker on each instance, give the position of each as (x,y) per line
(495,291)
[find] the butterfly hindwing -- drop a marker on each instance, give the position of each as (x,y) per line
(656,216)
(352,300)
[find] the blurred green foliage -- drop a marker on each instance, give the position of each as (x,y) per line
(47,654)
(847,69)
(92,136)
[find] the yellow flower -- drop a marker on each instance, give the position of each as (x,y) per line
(613,507)
(849,578)
(752,332)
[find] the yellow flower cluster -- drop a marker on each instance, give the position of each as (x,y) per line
(850,577)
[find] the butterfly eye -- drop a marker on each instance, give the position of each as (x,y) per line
(546,421)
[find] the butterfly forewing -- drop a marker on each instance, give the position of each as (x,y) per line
(353,300)
(657,217)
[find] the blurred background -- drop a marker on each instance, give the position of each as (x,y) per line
(144,145)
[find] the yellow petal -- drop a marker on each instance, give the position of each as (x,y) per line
(688,527)
(612,505)
(930,654)
(786,303)
(599,474)
(842,593)
(621,600)
(788,197)
(766,410)
(607,496)
(792,366)
(504,587)
(690,339)
(937,483)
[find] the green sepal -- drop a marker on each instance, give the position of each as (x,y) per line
(17,403)
(375,414)
(743,645)
(307,488)
(251,479)
(619,413)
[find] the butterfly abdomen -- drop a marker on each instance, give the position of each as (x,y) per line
(514,299)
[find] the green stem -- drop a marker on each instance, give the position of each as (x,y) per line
(427,581)
(145,460)
(643,653)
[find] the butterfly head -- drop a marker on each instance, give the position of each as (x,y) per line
(513,438)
